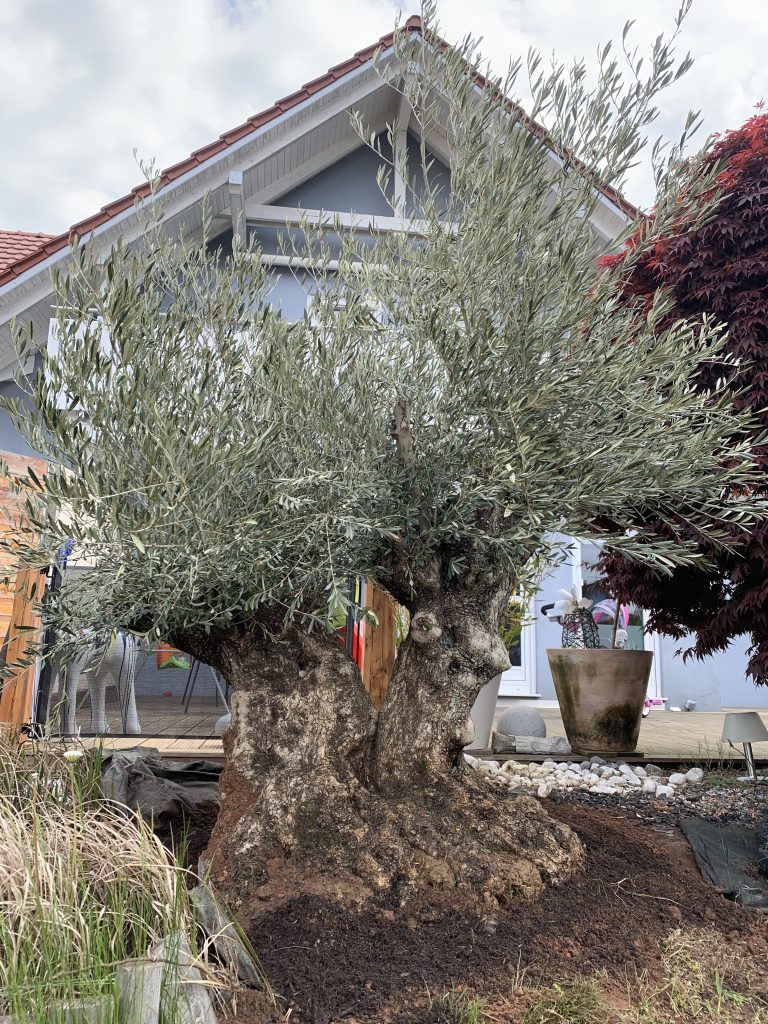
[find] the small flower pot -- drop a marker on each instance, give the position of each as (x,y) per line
(601,695)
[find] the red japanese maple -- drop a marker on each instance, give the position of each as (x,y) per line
(720,268)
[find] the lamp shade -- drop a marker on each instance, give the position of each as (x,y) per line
(744,727)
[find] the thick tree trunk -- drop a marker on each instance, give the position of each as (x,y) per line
(297,750)
(315,788)
(452,650)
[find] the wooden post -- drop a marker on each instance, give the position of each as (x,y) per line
(379,647)
(19,682)
(18,617)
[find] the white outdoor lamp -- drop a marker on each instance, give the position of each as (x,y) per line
(745,727)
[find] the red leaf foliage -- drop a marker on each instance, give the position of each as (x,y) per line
(720,268)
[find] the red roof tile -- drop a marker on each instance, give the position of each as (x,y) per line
(36,247)
(16,245)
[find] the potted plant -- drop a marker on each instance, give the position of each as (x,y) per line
(601,691)
(484,708)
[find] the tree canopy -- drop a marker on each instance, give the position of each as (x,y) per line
(461,392)
(717,268)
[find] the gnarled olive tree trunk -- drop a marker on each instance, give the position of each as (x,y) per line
(297,750)
(315,782)
(453,648)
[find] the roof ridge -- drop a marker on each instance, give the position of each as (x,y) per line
(54,243)
(22,231)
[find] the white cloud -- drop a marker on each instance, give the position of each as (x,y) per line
(86,82)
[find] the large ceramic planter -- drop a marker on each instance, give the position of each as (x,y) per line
(482,713)
(601,695)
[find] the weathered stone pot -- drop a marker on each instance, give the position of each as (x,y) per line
(601,695)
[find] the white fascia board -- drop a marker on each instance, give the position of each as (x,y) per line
(601,197)
(293,216)
(225,158)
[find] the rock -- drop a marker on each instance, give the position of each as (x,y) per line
(627,770)
(543,790)
(587,765)
(227,938)
(473,762)
(521,722)
(549,764)
(640,772)
(597,760)
(652,769)
(695,775)
(649,786)
(632,780)
(139,987)
(535,745)
(490,766)
(677,779)
(665,792)
(602,787)
(93,1010)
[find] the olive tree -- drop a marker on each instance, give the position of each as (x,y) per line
(475,395)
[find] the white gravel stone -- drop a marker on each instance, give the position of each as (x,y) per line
(665,792)
(626,769)
(640,772)
(653,769)
(649,786)
(695,775)
(677,779)
(602,787)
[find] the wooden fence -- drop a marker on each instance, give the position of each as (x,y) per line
(19,621)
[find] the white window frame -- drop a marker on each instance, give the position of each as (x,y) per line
(520,680)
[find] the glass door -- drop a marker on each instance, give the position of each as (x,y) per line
(519,636)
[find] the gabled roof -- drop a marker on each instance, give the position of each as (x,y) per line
(48,245)
(15,246)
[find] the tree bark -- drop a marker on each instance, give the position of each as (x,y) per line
(316,788)
(452,650)
(297,751)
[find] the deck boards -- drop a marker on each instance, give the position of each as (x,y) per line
(664,735)
(672,735)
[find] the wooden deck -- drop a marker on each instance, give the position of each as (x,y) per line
(677,735)
(664,736)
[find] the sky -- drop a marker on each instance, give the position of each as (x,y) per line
(86,83)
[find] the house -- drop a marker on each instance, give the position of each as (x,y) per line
(302,158)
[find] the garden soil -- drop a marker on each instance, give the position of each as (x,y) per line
(329,960)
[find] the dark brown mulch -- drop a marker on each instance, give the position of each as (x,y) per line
(189,834)
(333,963)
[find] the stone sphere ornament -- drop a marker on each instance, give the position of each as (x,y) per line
(521,722)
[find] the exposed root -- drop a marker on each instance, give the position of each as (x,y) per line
(458,836)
